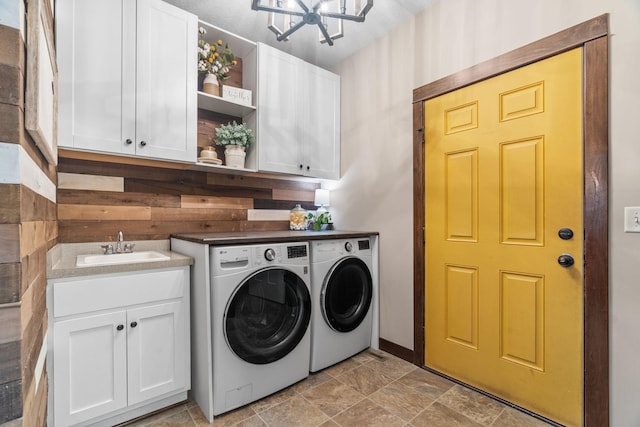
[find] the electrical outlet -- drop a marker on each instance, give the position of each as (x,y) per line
(632,219)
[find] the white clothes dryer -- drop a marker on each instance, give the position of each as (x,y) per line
(260,316)
(345,298)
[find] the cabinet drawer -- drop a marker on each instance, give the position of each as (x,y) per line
(93,293)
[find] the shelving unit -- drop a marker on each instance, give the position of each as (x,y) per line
(247,51)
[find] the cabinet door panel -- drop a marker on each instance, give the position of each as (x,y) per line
(90,357)
(321,120)
(279,116)
(157,357)
(96,61)
(166,82)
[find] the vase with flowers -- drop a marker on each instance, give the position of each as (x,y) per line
(235,138)
(214,61)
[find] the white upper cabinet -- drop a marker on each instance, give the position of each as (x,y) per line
(298,116)
(127,78)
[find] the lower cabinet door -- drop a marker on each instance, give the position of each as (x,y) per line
(157,350)
(90,367)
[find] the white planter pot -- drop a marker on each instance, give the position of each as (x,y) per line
(234,156)
(211,85)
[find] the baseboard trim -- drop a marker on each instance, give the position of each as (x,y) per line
(399,351)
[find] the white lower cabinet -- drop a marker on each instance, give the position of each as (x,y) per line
(120,342)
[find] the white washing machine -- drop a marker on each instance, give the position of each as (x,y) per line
(344,290)
(260,316)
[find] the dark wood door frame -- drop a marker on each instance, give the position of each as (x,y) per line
(592,36)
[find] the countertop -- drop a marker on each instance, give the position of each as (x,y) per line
(251,237)
(61,259)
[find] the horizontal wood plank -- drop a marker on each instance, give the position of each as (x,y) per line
(9,243)
(90,182)
(103,212)
(9,362)
(84,197)
(147,186)
(33,235)
(268,215)
(12,83)
(11,123)
(12,52)
(213,202)
(10,321)
(10,203)
(293,195)
(97,231)
(9,283)
(35,207)
(281,204)
(11,401)
(188,214)
(260,182)
(33,268)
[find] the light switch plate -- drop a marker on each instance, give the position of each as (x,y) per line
(632,219)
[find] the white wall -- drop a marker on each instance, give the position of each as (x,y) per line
(375,192)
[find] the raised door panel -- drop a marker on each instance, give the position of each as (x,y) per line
(158,351)
(90,367)
(279,115)
(96,61)
(321,122)
(166,105)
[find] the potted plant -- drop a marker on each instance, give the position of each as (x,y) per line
(319,221)
(215,62)
(235,138)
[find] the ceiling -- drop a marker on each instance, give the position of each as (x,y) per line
(236,16)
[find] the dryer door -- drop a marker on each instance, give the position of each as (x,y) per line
(346,294)
(267,316)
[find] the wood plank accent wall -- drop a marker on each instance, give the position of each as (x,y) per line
(152,203)
(28,228)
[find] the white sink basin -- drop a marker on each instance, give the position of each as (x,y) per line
(128,258)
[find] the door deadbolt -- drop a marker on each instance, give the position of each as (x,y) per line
(565,233)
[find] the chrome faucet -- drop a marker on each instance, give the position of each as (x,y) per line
(109,249)
(119,242)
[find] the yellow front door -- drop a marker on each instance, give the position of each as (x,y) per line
(503,195)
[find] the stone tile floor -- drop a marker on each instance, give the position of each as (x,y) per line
(372,388)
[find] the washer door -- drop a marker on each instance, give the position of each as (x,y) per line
(346,294)
(267,316)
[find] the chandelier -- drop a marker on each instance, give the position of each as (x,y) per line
(328,15)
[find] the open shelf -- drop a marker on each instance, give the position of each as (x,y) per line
(223,106)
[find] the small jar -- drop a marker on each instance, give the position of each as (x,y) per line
(298,218)
(209,152)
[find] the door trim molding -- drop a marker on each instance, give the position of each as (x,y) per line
(592,36)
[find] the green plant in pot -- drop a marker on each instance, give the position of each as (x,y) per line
(317,221)
(235,138)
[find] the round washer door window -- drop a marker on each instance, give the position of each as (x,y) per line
(346,295)
(267,316)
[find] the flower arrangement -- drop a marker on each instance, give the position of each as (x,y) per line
(213,59)
(234,134)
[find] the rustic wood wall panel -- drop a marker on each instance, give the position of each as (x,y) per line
(28,228)
(157,202)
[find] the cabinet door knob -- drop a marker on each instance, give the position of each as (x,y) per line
(308,167)
(143,143)
(120,327)
(134,324)
(301,166)
(128,142)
